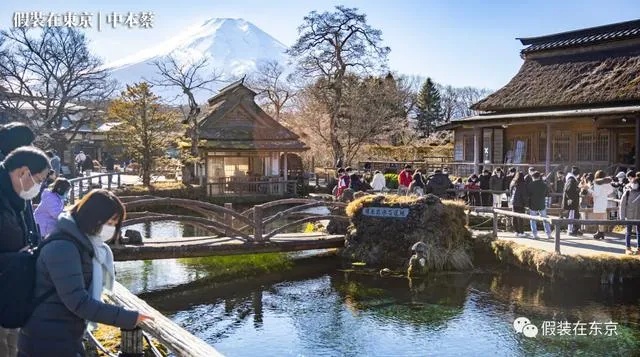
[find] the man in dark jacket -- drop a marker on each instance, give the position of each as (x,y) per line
(485,185)
(439,183)
(571,199)
(538,192)
(21,174)
(496,183)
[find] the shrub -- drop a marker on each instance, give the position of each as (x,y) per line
(391,180)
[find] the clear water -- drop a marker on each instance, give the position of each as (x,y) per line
(318,310)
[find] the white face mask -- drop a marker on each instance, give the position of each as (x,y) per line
(107,232)
(30,193)
(634,186)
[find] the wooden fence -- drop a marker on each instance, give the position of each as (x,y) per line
(81,185)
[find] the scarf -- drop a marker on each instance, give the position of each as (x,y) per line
(103,272)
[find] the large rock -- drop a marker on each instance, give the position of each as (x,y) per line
(381,235)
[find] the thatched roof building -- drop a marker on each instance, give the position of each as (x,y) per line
(574,101)
(243,146)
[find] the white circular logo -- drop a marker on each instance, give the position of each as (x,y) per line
(530,330)
(520,323)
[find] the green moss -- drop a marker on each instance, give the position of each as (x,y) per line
(239,266)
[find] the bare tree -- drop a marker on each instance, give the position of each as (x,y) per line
(52,82)
(329,45)
(189,78)
(272,86)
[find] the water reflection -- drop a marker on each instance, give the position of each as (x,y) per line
(347,314)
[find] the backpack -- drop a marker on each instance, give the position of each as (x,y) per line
(17,283)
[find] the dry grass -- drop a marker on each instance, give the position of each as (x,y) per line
(109,337)
(579,79)
(557,266)
(387,241)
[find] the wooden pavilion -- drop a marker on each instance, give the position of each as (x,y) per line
(574,101)
(244,148)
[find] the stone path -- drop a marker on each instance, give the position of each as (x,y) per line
(613,244)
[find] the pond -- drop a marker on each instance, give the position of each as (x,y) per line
(320,310)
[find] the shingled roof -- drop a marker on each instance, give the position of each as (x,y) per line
(595,76)
(588,36)
(233,121)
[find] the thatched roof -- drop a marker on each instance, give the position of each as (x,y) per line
(580,80)
(233,121)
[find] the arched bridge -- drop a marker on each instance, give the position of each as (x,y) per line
(261,229)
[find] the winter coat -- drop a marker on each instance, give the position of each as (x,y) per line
(630,205)
(484,181)
(519,194)
(87,164)
(58,324)
(600,192)
(538,192)
(571,192)
(46,215)
(405,177)
(507,182)
(439,184)
(13,210)
(378,183)
(496,183)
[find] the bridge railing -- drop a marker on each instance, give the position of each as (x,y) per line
(81,185)
(171,335)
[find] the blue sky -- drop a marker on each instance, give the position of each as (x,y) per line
(465,42)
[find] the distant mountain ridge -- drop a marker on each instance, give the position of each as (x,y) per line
(234,47)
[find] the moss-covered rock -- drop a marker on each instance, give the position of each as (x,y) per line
(387,241)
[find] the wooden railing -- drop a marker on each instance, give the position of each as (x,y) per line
(246,187)
(173,337)
(81,185)
(248,226)
(557,223)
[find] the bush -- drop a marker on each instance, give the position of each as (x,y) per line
(391,181)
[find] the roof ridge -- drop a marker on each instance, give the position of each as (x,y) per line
(589,31)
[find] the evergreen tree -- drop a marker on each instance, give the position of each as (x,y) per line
(145,128)
(429,108)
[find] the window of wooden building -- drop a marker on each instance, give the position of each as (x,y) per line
(561,145)
(468,148)
(584,146)
(519,149)
(601,146)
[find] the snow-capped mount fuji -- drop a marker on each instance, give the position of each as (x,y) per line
(234,47)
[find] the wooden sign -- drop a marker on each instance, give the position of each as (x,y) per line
(385,212)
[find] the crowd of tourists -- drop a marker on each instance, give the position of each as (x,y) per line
(65,248)
(530,192)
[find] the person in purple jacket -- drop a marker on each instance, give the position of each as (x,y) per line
(51,205)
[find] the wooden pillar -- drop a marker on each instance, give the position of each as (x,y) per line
(131,343)
(257,222)
(228,219)
(285,167)
(637,161)
(476,150)
(547,159)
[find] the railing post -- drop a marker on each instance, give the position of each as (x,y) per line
(80,188)
(100,180)
(495,223)
(119,180)
(557,225)
(257,221)
(72,195)
(131,343)
(109,180)
(228,219)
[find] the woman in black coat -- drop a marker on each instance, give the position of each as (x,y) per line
(519,199)
(571,199)
(77,266)
(21,174)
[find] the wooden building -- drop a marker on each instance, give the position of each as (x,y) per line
(574,101)
(244,148)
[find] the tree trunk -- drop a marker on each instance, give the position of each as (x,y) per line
(188,170)
(336,146)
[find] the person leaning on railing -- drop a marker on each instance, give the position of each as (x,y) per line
(519,200)
(630,210)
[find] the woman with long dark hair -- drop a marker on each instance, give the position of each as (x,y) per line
(74,269)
